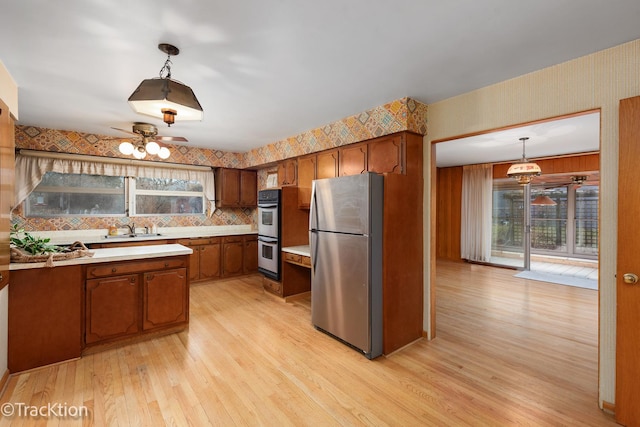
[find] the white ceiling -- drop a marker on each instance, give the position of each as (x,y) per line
(265,70)
(578,134)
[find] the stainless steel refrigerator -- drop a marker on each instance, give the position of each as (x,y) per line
(345,239)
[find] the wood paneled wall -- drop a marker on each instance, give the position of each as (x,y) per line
(448,213)
(449,196)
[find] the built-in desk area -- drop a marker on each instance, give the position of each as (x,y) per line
(296,273)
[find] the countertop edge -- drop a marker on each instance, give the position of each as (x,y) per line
(112,254)
(298,250)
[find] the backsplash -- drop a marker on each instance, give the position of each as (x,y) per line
(237,216)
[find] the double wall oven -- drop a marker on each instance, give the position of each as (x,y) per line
(269,233)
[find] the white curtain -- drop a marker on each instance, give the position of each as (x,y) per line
(477,192)
(30,170)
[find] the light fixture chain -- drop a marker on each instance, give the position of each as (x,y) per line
(166,67)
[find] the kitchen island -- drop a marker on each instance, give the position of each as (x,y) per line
(85,304)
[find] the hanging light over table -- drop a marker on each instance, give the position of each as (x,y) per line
(524,170)
(165,98)
(543,200)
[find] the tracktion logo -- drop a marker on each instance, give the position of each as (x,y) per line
(51,410)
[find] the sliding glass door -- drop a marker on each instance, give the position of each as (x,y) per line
(564,222)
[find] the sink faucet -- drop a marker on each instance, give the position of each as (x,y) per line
(132,228)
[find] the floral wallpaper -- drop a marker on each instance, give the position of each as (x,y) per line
(403,114)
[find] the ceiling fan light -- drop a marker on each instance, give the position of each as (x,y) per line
(138,154)
(152,147)
(164,153)
(126,148)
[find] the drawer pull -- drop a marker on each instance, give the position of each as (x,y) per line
(133,280)
(166,264)
(113,270)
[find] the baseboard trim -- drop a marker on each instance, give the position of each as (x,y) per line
(608,407)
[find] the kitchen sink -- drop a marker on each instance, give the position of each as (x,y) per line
(131,235)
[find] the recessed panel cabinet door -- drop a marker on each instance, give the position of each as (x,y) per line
(232,257)
(166,298)
(353,160)
(250,254)
(210,261)
(112,307)
(386,155)
(306,175)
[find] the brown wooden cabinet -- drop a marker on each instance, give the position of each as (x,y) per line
(204,262)
(353,159)
(315,166)
(210,259)
(327,164)
(112,308)
(232,256)
(45,316)
(129,298)
(288,172)
(386,155)
(248,188)
(165,298)
(306,174)
(250,254)
(236,188)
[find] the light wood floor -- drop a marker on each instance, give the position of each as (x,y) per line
(508,352)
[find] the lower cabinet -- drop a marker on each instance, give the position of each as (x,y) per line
(131,298)
(112,308)
(232,256)
(165,298)
(217,257)
(250,254)
(45,316)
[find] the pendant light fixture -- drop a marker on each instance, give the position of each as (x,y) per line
(165,98)
(543,200)
(524,170)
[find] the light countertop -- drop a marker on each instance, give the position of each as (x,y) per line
(298,250)
(113,254)
(67,237)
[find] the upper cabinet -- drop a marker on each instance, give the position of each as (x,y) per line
(353,159)
(236,188)
(327,164)
(248,188)
(314,166)
(288,172)
(306,175)
(386,155)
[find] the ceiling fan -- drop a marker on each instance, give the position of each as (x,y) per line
(148,142)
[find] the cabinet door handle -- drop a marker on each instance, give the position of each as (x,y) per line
(133,280)
(1,276)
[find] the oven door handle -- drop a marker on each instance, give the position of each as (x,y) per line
(267,206)
(267,239)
